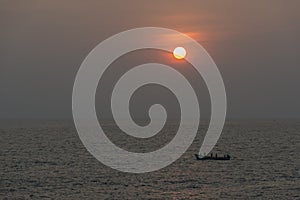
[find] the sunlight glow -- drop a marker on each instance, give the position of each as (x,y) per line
(179,52)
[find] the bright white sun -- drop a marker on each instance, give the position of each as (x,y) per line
(179,52)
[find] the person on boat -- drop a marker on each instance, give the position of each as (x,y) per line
(216,155)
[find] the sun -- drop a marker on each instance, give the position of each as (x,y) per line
(179,53)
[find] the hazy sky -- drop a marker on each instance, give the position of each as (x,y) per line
(255,44)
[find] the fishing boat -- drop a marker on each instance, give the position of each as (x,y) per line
(225,157)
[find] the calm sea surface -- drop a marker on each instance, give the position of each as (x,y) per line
(47,160)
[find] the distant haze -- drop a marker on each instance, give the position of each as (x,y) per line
(255,44)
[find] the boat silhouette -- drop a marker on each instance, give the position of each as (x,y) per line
(211,157)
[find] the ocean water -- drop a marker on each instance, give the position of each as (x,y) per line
(47,160)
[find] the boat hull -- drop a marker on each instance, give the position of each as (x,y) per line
(211,158)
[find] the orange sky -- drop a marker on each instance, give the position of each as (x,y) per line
(255,45)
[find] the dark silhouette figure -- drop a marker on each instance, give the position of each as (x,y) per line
(212,157)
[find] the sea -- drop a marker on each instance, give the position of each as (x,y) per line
(47,160)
